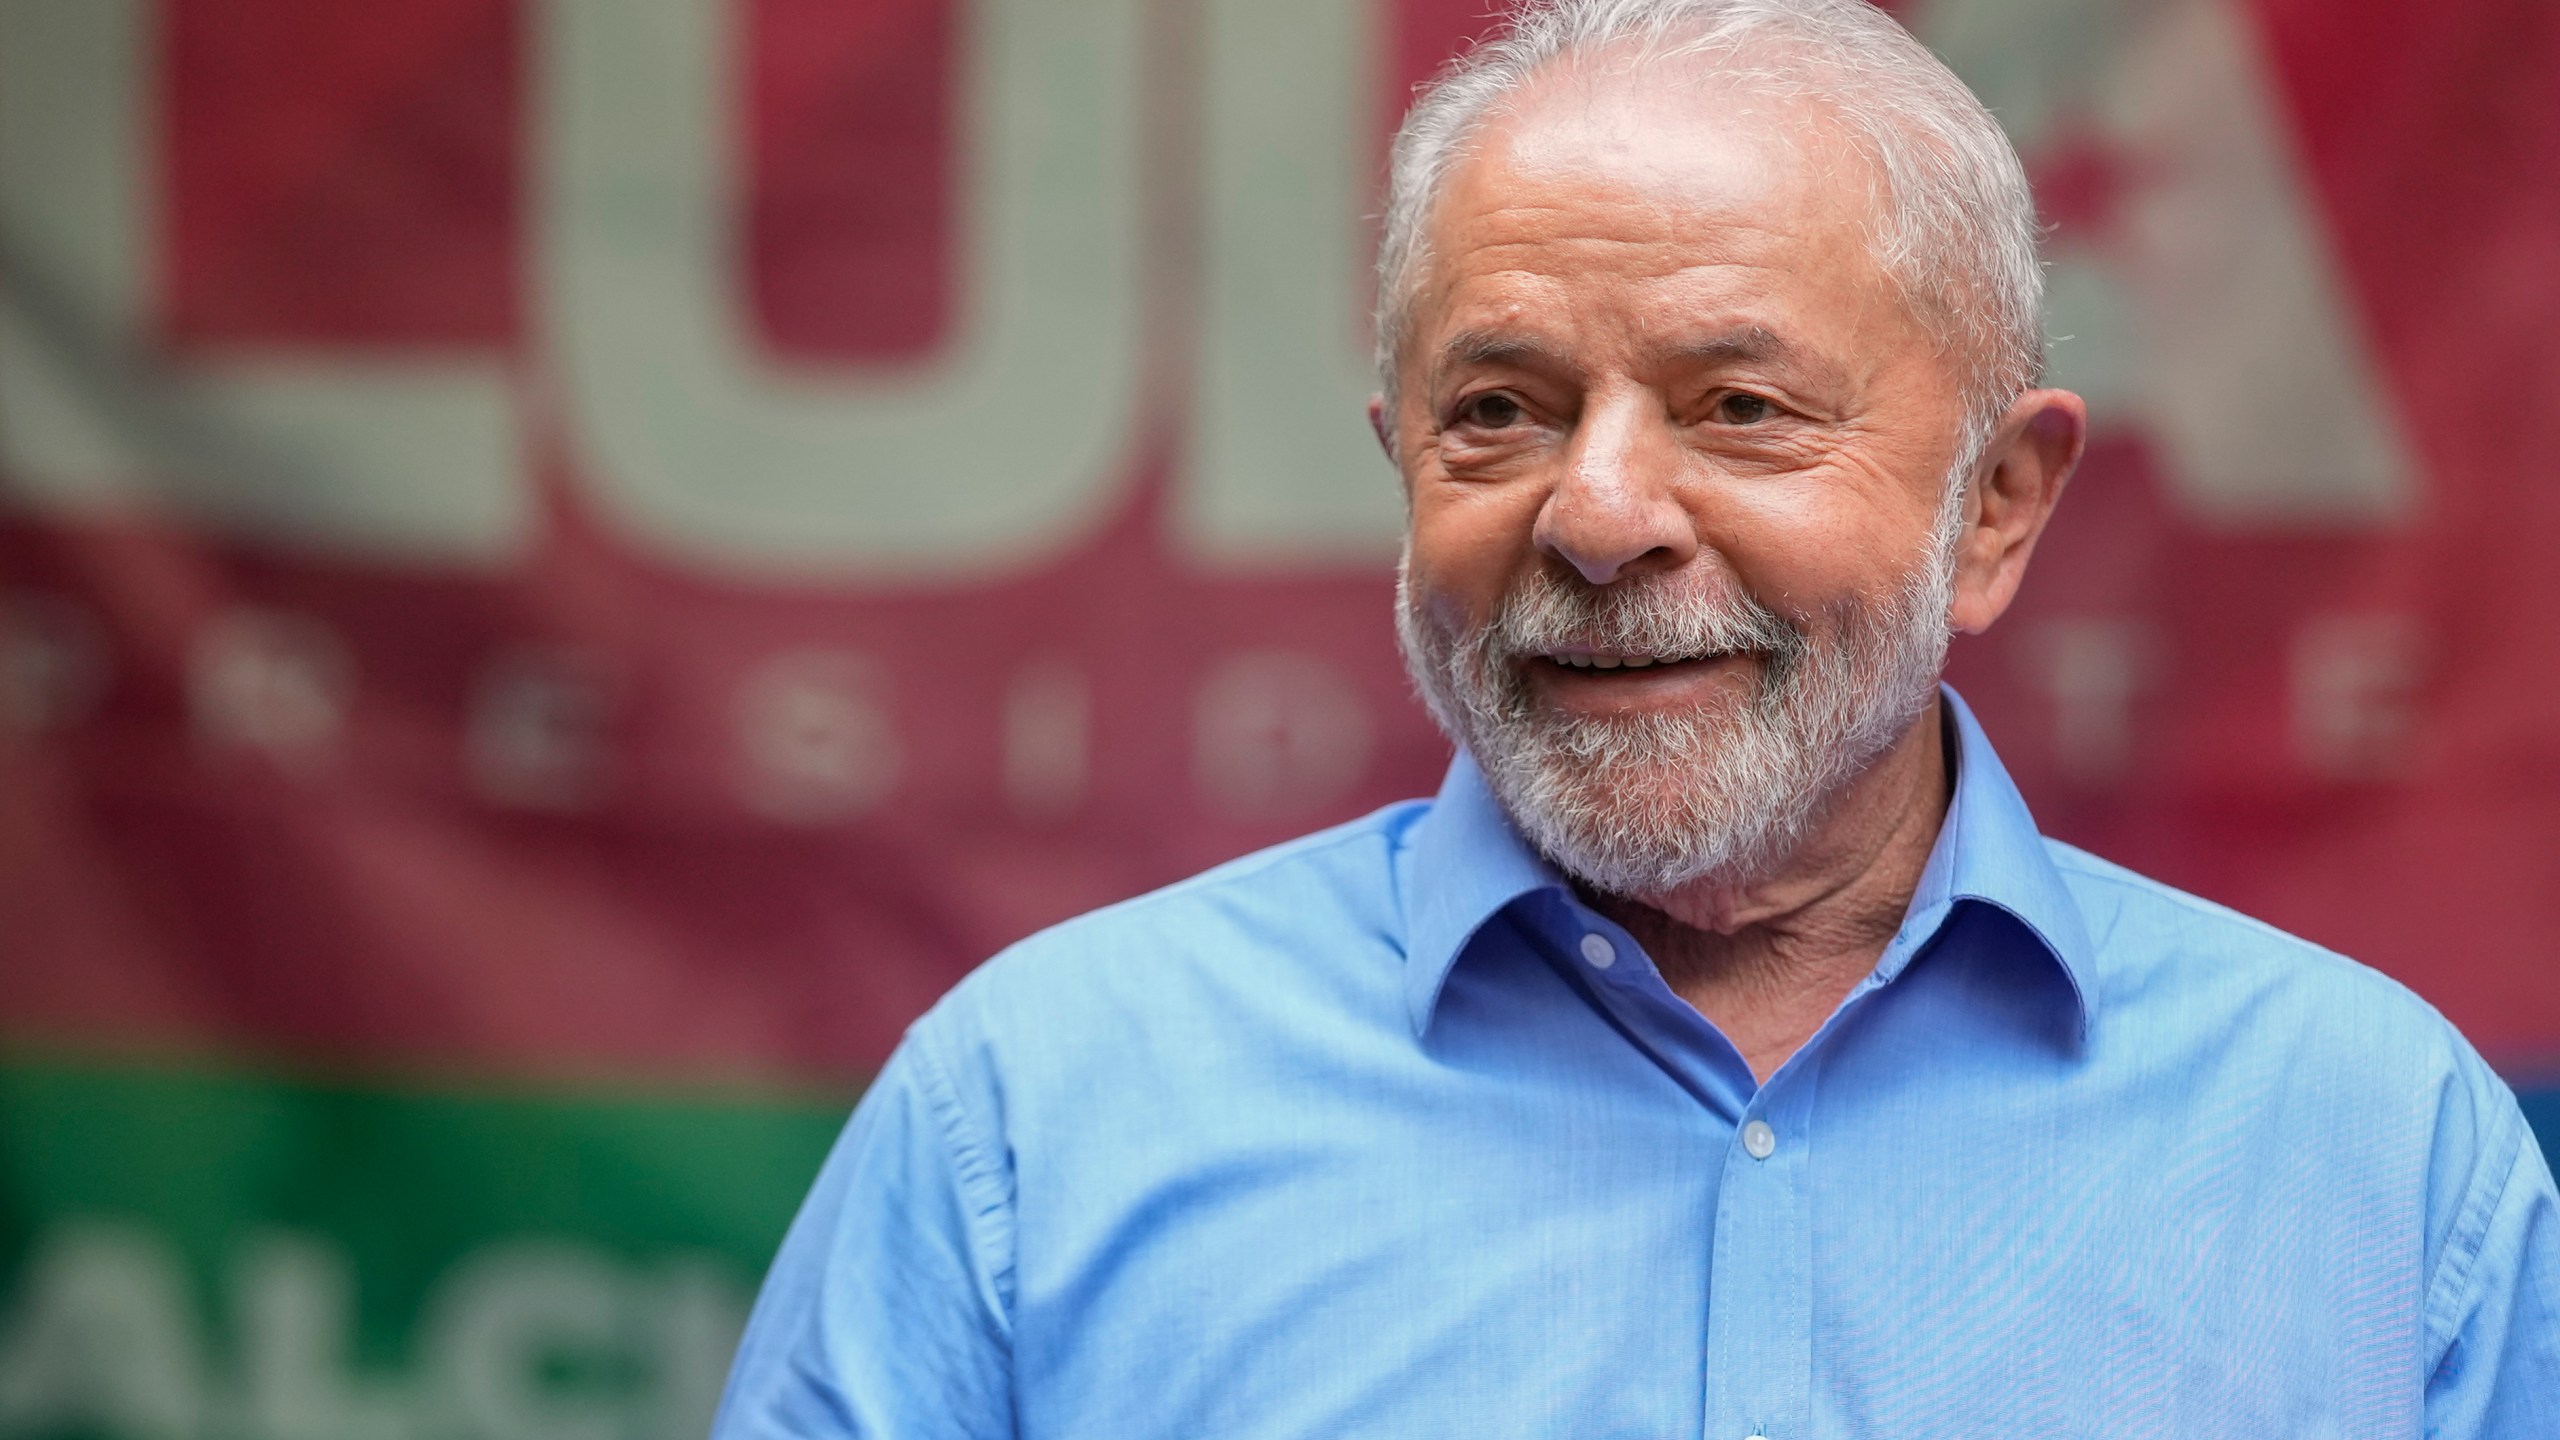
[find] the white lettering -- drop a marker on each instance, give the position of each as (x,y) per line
(270,682)
(2355,691)
(1278,734)
(2092,669)
(698,1317)
(412,459)
(537,737)
(103,1338)
(1282,467)
(294,1302)
(2206,308)
(1002,450)
(524,1339)
(815,742)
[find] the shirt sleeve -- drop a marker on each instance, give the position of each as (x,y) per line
(2497,1326)
(886,1311)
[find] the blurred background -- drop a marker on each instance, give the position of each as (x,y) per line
(567,565)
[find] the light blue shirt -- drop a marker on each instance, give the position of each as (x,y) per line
(1385,1133)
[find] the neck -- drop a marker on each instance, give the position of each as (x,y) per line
(1768,959)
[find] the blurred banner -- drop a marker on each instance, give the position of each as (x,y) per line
(567,565)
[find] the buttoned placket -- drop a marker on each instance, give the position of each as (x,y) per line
(1757,1353)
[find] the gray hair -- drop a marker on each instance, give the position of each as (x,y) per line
(1955,227)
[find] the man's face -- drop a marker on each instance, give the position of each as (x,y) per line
(1676,454)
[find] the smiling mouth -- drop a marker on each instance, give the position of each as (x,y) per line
(1581,663)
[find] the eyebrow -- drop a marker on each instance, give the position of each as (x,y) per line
(1747,344)
(1760,345)
(1490,347)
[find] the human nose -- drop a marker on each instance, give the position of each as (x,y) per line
(1617,508)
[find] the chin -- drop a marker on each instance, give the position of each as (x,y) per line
(1639,826)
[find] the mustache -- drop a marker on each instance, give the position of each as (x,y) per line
(1547,612)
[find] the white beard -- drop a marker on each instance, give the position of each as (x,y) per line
(1643,804)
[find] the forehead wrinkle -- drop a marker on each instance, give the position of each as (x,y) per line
(1515,268)
(1756,344)
(1618,218)
(1748,343)
(1591,107)
(1473,347)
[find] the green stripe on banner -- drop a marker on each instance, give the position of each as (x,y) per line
(191,1253)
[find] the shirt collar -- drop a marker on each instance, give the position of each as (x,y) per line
(1990,852)
(1465,863)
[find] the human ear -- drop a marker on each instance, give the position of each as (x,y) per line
(2015,486)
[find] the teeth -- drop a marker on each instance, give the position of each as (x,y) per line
(1616,662)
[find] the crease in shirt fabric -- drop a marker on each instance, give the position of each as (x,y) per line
(1352,1137)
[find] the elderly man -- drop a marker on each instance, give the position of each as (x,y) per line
(1722,1052)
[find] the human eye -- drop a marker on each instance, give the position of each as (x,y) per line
(1741,407)
(1491,410)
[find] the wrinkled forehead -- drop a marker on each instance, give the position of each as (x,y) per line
(1673,166)
(1695,129)
(1694,143)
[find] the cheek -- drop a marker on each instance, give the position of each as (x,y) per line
(1469,543)
(1807,553)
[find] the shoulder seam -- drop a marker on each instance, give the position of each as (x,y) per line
(1305,845)
(2470,1231)
(981,1184)
(2106,872)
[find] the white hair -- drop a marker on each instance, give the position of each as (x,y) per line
(1954,228)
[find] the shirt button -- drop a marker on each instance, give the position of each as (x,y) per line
(1597,949)
(1758,1140)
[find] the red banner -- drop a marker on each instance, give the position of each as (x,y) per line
(566,566)
(646,538)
